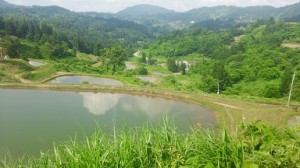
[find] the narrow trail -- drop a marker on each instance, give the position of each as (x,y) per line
(230,117)
(18,76)
(226,106)
(137,54)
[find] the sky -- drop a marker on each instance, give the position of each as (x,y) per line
(114,6)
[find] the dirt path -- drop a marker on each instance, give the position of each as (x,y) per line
(18,76)
(137,54)
(227,105)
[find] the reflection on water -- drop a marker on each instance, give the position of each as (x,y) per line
(147,79)
(36,64)
(99,103)
(129,109)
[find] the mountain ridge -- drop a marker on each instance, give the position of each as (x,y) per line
(144,10)
(157,16)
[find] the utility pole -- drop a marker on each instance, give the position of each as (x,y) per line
(218,87)
(291,88)
(1,54)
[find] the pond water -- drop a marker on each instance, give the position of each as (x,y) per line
(36,64)
(147,79)
(294,121)
(76,79)
(130,66)
(30,120)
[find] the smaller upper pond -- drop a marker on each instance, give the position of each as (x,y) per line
(36,64)
(147,79)
(294,121)
(85,79)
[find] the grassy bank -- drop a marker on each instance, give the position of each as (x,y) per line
(255,145)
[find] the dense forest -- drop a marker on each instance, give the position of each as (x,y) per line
(79,31)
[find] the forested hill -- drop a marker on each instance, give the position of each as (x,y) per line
(81,31)
(144,11)
(231,14)
(258,60)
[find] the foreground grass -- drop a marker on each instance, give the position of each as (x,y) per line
(255,145)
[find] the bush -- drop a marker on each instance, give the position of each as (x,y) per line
(142,71)
(271,91)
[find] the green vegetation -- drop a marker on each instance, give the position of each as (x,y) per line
(254,145)
(253,63)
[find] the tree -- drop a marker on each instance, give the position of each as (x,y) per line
(151,61)
(36,53)
(11,46)
(114,57)
(1,54)
(271,91)
(182,68)
(143,58)
(172,66)
(1,23)
(221,75)
(286,80)
(10,27)
(142,71)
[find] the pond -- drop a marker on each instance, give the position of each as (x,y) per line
(294,121)
(36,64)
(147,79)
(31,120)
(77,79)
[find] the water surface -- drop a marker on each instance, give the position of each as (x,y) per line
(147,79)
(30,120)
(36,64)
(77,79)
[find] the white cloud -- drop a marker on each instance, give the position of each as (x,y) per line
(117,5)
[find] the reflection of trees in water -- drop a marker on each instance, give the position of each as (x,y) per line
(101,103)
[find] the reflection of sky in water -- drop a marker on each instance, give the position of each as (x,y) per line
(37,64)
(130,109)
(147,79)
(101,103)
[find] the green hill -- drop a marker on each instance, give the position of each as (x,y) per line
(80,31)
(255,65)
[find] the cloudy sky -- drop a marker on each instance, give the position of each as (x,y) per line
(117,5)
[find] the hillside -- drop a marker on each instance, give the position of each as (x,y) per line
(225,13)
(87,30)
(242,62)
(143,11)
